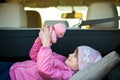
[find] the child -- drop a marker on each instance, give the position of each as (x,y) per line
(47,65)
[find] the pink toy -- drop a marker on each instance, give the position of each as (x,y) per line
(58,31)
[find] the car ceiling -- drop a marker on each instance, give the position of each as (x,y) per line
(50,3)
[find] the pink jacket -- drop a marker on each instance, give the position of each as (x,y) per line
(45,65)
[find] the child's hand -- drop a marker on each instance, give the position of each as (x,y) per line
(47,32)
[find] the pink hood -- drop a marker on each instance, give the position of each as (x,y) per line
(87,56)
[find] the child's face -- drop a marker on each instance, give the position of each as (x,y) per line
(72,60)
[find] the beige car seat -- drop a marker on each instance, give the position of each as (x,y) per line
(12,15)
(102,10)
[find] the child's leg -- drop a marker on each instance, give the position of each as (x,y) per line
(35,48)
(4,66)
(4,70)
(5,75)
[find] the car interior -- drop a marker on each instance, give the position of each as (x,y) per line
(89,22)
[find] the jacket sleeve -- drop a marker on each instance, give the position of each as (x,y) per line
(45,66)
(35,48)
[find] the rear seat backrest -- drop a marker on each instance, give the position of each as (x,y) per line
(33,19)
(12,15)
(103,10)
(52,22)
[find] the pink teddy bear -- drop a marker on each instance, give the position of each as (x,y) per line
(58,31)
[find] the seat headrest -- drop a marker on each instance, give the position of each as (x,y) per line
(12,15)
(52,22)
(103,10)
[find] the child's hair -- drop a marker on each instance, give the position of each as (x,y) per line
(87,56)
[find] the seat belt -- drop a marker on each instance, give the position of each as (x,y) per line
(98,21)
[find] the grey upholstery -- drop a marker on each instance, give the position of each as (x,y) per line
(103,10)
(33,19)
(52,22)
(100,69)
(12,15)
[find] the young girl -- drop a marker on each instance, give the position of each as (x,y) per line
(48,65)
